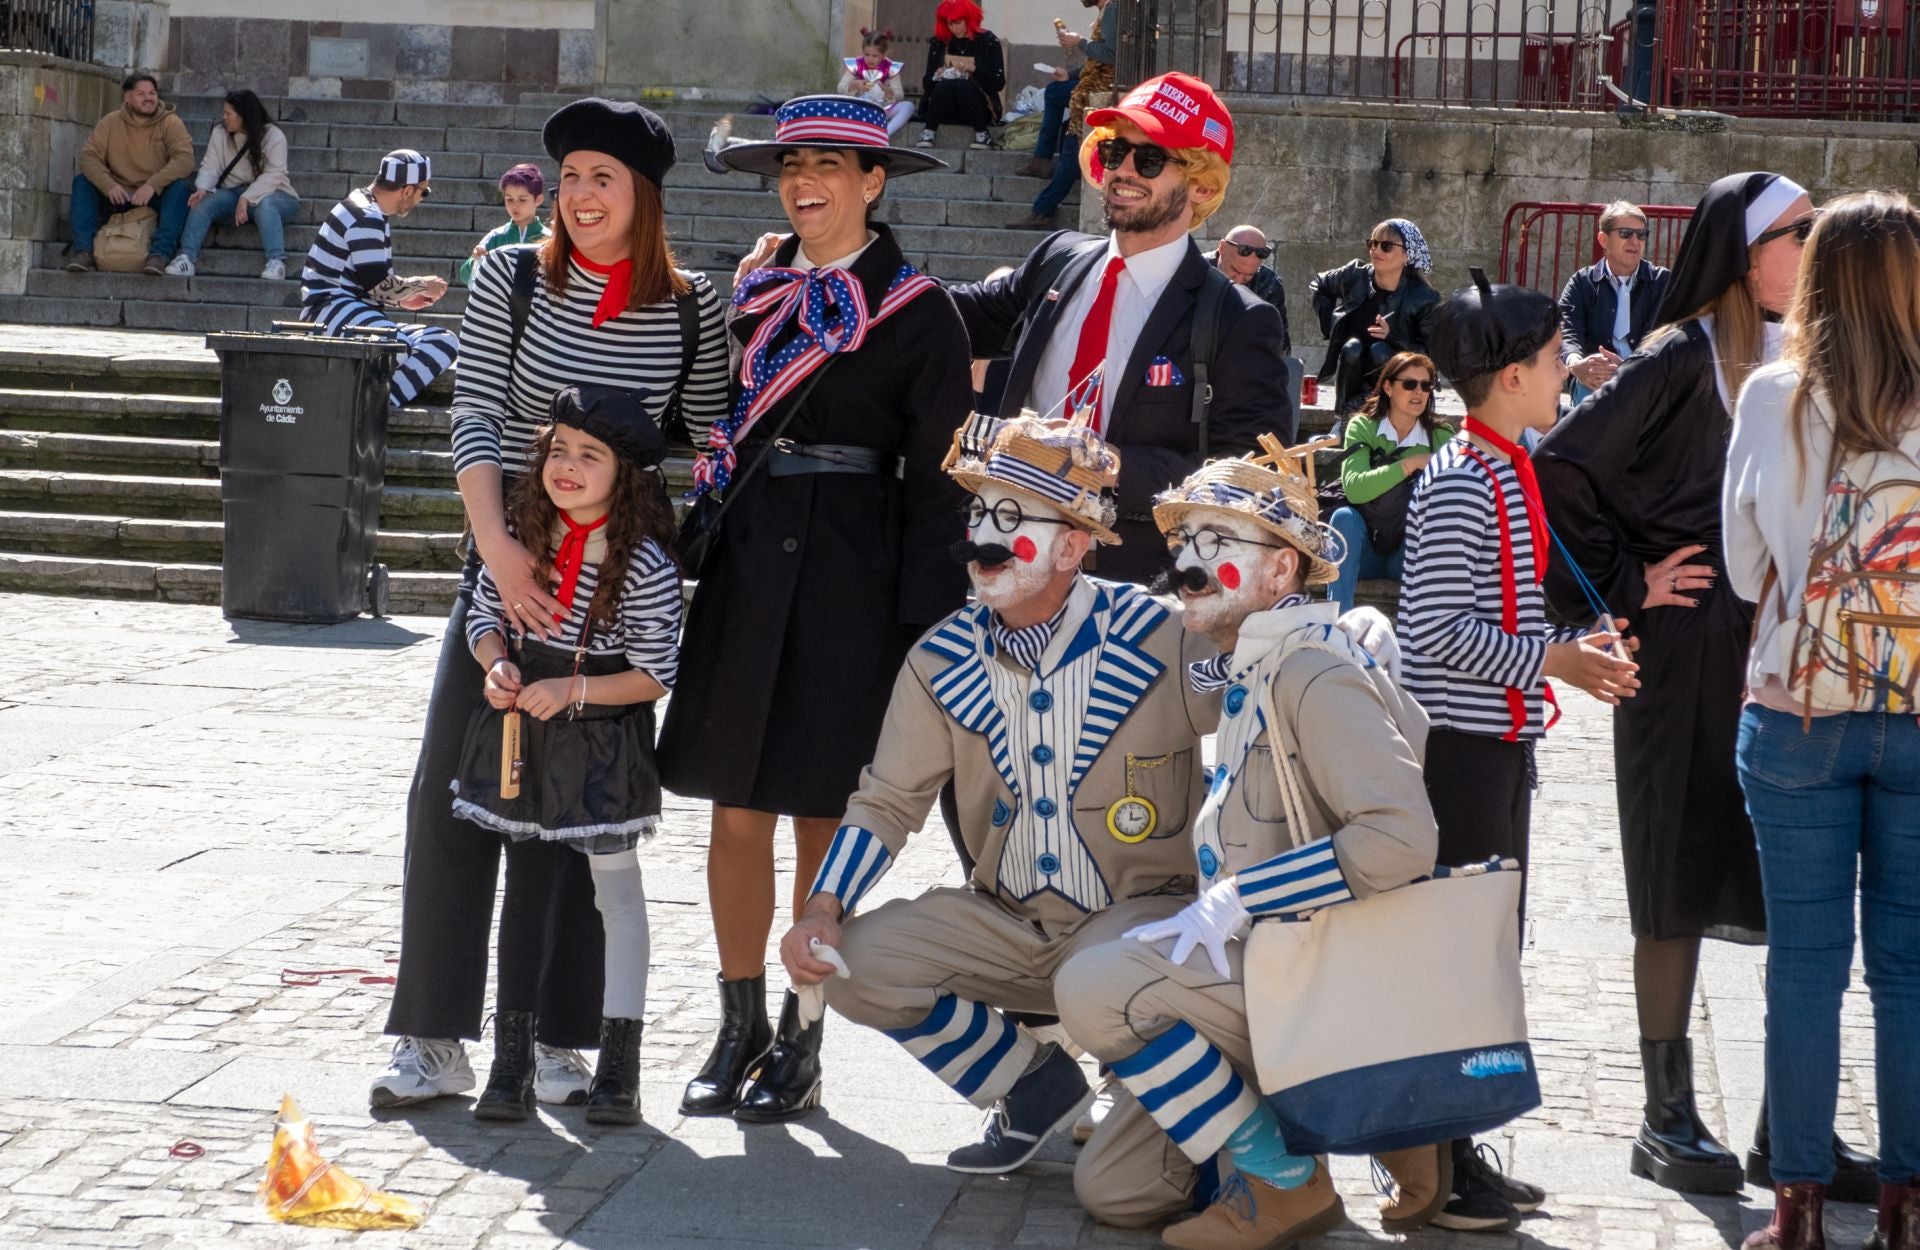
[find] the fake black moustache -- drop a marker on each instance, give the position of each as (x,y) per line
(966,551)
(1171,579)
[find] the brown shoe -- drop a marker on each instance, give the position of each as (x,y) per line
(1038,167)
(1797,1222)
(1032,221)
(1898,1227)
(80,262)
(1422,1179)
(156,265)
(1253,1215)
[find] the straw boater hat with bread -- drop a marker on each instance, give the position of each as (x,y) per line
(1262,490)
(1060,463)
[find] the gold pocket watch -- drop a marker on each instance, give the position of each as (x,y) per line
(1133,818)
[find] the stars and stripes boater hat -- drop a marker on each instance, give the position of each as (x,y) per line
(837,122)
(406,167)
(1061,463)
(1281,503)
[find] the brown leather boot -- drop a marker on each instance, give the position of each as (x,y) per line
(1798,1221)
(1253,1215)
(1899,1225)
(1035,168)
(1422,1179)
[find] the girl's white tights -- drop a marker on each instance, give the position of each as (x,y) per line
(622,901)
(898,115)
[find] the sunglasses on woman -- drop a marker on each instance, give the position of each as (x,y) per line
(1410,385)
(1383,245)
(1148,158)
(1245,250)
(1800,230)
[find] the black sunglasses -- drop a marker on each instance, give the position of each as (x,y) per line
(1244,250)
(1148,158)
(1628,232)
(1800,230)
(1385,245)
(1410,385)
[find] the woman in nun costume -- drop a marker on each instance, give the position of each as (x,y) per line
(1631,480)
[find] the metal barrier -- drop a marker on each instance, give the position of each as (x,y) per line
(1851,59)
(56,27)
(1542,243)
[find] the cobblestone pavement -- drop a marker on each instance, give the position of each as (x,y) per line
(191,808)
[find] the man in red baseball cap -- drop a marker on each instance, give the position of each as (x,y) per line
(1174,363)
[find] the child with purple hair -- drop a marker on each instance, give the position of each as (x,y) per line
(521,189)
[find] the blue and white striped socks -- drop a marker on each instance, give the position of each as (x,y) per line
(971,1047)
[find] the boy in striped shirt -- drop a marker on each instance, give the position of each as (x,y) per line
(1473,625)
(348,281)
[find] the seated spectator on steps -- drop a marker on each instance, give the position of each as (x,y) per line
(1608,307)
(521,190)
(1386,446)
(1371,309)
(1060,163)
(875,76)
(243,178)
(966,71)
(1243,255)
(138,155)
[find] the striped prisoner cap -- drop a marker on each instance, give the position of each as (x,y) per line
(406,167)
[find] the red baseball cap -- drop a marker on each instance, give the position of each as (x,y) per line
(1176,111)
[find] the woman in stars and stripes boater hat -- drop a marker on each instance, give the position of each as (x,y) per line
(851,376)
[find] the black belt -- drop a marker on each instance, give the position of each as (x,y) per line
(790,459)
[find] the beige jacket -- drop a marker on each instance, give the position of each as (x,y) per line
(130,151)
(258,184)
(1038,761)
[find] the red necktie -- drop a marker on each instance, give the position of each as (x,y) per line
(619,288)
(568,559)
(1092,352)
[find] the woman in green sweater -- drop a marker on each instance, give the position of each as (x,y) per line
(1388,442)
(521,189)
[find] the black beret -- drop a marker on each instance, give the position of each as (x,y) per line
(620,128)
(1483,328)
(614,415)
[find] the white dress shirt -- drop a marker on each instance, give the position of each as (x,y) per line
(1138,290)
(803,262)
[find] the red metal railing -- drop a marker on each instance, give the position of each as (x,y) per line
(1542,243)
(1852,59)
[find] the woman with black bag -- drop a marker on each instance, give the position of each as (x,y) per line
(829,560)
(599,302)
(1385,448)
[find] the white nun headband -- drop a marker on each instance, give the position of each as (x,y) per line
(1766,208)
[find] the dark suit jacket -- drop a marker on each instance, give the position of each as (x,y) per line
(1588,305)
(1151,426)
(1266,284)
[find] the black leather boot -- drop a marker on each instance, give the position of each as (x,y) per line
(1856,1176)
(1674,1148)
(614,1096)
(737,1052)
(509,1091)
(789,1082)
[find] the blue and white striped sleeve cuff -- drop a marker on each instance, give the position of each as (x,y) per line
(855,861)
(1306,877)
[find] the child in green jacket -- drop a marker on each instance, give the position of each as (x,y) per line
(1387,443)
(521,189)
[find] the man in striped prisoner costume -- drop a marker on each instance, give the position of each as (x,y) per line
(348,280)
(1057,706)
(1316,799)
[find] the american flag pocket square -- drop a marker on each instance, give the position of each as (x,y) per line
(1163,372)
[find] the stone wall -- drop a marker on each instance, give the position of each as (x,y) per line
(48,107)
(776,48)
(1316,175)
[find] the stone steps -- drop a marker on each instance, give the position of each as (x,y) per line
(133,413)
(410,592)
(186,457)
(187,540)
(436,509)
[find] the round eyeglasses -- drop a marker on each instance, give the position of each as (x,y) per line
(1206,543)
(1007,515)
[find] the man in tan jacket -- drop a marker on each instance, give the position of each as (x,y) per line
(139,156)
(1316,798)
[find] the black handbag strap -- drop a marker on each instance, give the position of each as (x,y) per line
(786,418)
(1206,342)
(230,164)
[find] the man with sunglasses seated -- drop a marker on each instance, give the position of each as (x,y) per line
(1243,255)
(1599,329)
(1120,325)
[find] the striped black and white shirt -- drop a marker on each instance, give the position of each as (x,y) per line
(647,629)
(497,410)
(1458,661)
(352,252)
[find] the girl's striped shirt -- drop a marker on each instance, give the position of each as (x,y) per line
(647,629)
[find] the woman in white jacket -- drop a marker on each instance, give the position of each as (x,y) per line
(243,178)
(1822,511)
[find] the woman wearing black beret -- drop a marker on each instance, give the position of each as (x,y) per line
(831,560)
(604,305)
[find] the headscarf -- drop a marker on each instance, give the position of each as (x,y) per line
(955,10)
(1734,212)
(1418,257)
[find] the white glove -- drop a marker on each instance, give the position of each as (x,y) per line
(813,998)
(1370,628)
(1212,920)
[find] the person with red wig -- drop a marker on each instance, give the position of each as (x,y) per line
(966,71)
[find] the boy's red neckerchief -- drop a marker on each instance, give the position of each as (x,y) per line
(1537,523)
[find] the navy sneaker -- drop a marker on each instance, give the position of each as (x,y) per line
(1526,1198)
(1474,1205)
(1050,1097)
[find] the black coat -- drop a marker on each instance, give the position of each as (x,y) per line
(1629,477)
(1151,427)
(1340,298)
(1265,284)
(989,75)
(1589,303)
(821,582)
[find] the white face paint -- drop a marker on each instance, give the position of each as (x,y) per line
(1240,576)
(1034,543)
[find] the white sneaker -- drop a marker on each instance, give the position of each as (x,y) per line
(422,1068)
(1096,1111)
(560,1077)
(926,138)
(981,139)
(180,266)
(276,271)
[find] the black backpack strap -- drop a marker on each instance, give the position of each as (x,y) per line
(1206,345)
(672,422)
(1042,282)
(526,276)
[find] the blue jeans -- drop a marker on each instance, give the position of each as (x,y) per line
(1829,805)
(270,215)
(1053,116)
(89,206)
(1066,173)
(1362,560)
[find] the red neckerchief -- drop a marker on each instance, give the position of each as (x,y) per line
(619,288)
(1509,590)
(571,555)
